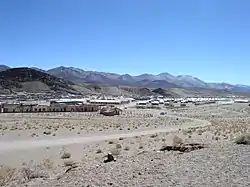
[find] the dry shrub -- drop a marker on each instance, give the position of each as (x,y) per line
(177,141)
(69,163)
(66,155)
(48,164)
(140,147)
(153,136)
(98,151)
(33,173)
(47,132)
(199,132)
(6,174)
(115,151)
(111,142)
(126,148)
(243,139)
(118,146)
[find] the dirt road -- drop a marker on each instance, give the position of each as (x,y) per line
(57,141)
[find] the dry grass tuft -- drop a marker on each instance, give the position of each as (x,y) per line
(98,151)
(153,136)
(126,148)
(69,163)
(47,132)
(111,142)
(48,164)
(115,151)
(118,146)
(6,174)
(177,141)
(243,139)
(66,155)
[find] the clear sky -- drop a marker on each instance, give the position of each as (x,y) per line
(209,39)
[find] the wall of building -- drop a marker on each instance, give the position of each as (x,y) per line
(15,108)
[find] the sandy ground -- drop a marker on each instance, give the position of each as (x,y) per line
(33,145)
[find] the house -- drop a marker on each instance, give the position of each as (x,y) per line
(105,102)
(17,107)
(56,107)
(155,103)
(142,103)
(40,108)
(83,108)
(241,101)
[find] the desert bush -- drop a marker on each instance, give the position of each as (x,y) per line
(115,151)
(177,140)
(153,136)
(33,173)
(140,147)
(126,148)
(118,146)
(33,135)
(98,151)
(199,132)
(47,132)
(243,139)
(65,155)
(111,142)
(6,174)
(68,163)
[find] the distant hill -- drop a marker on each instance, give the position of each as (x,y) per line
(27,79)
(3,68)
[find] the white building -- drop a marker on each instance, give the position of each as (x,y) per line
(106,102)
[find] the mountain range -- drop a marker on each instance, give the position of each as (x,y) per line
(162,80)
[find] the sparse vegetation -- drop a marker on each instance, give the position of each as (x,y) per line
(65,155)
(48,164)
(111,142)
(47,132)
(6,173)
(118,146)
(243,139)
(98,151)
(177,140)
(69,163)
(140,147)
(153,136)
(126,148)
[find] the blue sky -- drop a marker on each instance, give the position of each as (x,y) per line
(209,39)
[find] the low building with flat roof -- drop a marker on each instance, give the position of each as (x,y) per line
(106,102)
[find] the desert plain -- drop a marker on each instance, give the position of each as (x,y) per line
(69,149)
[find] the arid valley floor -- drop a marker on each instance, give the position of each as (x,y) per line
(68,149)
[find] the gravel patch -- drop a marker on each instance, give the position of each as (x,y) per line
(224,164)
